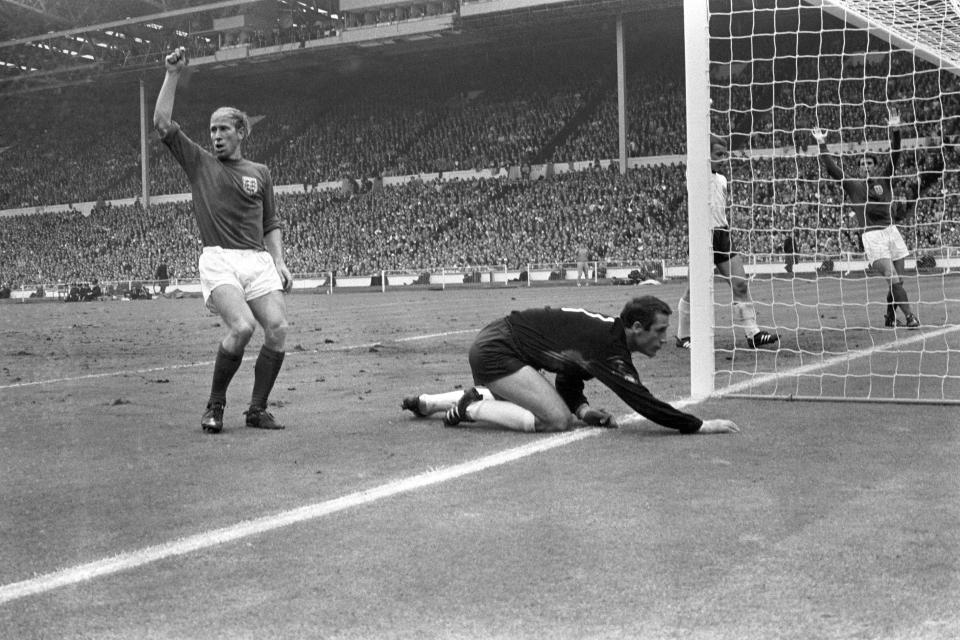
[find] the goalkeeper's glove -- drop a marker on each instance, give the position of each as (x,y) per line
(718,426)
(595,417)
(819,135)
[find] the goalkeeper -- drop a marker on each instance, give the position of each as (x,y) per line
(577,345)
(874,217)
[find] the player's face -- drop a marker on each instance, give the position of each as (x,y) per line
(867,166)
(718,158)
(225,137)
(649,341)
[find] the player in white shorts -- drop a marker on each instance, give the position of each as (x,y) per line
(242,272)
(727,262)
(871,195)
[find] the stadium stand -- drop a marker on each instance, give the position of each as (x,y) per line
(489,113)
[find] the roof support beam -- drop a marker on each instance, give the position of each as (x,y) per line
(223,4)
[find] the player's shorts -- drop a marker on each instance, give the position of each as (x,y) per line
(722,249)
(884,243)
(494,354)
(252,272)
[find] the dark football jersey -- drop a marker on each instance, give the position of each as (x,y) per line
(578,345)
(233,200)
(870,198)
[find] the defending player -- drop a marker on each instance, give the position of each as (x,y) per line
(577,345)
(871,194)
(242,271)
(727,261)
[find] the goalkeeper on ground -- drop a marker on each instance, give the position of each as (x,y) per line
(509,355)
(874,217)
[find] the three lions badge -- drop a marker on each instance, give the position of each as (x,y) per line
(250,185)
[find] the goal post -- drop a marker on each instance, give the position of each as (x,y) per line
(880,79)
(700,270)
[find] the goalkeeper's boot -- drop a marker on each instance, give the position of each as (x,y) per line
(683,343)
(260,418)
(912,322)
(412,403)
(762,339)
(458,412)
(891,321)
(212,420)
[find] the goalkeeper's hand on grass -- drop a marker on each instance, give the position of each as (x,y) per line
(596,417)
(719,426)
(818,135)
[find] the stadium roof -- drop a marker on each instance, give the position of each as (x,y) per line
(51,43)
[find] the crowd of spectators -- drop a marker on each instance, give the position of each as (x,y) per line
(490,114)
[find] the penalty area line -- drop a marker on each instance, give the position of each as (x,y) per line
(853,356)
(208,363)
(126,561)
(635,418)
(205,540)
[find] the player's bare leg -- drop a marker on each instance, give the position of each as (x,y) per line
(744,311)
(270,312)
(241,324)
(526,402)
(892,271)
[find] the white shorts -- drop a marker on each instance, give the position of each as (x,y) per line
(884,243)
(252,272)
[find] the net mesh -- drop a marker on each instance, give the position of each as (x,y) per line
(862,73)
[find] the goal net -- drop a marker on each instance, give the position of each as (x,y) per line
(877,82)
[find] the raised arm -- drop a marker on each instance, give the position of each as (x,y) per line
(832,167)
(893,127)
(163,111)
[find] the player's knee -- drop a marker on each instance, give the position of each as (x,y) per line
(740,288)
(276,330)
(556,421)
(241,332)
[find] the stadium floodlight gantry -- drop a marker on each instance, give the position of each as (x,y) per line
(877,78)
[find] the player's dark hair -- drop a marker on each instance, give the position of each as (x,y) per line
(644,310)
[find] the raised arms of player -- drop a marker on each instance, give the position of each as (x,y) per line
(831,165)
(893,124)
(163,110)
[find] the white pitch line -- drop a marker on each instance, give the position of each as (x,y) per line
(208,539)
(839,359)
(205,540)
(111,374)
(737,387)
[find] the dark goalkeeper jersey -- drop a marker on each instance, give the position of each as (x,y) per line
(578,345)
(232,199)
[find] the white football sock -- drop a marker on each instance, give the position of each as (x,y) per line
(745,315)
(503,414)
(439,402)
(683,319)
